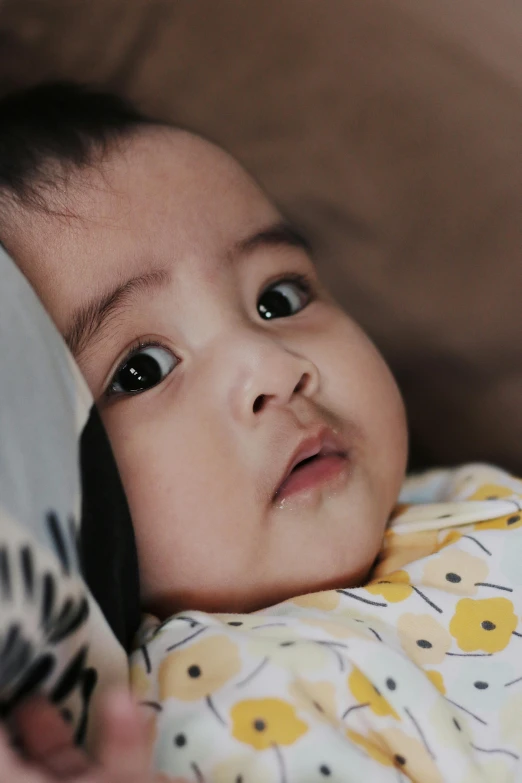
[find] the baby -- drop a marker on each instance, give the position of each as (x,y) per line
(262,444)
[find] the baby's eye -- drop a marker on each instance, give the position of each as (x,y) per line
(144,368)
(284,298)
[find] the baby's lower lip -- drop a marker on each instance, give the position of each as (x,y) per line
(320,472)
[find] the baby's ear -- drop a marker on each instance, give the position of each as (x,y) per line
(68,569)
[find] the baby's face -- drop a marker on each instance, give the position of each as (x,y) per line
(219,365)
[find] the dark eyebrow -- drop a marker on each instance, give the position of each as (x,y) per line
(279,234)
(89,319)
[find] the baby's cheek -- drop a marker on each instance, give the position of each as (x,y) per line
(361,391)
(388,442)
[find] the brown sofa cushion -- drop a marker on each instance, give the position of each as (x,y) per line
(390,130)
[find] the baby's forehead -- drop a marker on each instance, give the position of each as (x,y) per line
(164,200)
(161,199)
(173,154)
(164,174)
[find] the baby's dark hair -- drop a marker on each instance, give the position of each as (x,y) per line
(57,123)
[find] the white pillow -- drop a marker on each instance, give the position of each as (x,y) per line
(69,593)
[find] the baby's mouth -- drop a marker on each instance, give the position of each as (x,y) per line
(316,461)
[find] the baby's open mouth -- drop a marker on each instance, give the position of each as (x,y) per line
(306,462)
(316,461)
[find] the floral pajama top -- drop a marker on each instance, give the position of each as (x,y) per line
(416,676)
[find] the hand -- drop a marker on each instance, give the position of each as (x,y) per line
(51,755)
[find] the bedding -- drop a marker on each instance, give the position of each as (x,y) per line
(416,676)
(69,593)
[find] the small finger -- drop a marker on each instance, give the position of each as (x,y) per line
(12,767)
(7,756)
(47,739)
(123,752)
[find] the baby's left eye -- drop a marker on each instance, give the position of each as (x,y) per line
(284,298)
(144,368)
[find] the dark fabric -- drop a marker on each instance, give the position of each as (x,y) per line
(107,545)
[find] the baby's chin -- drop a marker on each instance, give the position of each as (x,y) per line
(258,598)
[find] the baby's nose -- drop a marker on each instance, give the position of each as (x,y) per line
(282,396)
(270,374)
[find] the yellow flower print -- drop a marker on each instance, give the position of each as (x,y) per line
(491,492)
(449,538)
(263,723)
(196,671)
(423,638)
(396,587)
(485,624)
(455,571)
(411,757)
(315,697)
(366,693)
(507,522)
(399,550)
(291,652)
(327,600)
(496,492)
(372,745)
(436,679)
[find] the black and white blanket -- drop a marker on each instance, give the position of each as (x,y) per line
(69,592)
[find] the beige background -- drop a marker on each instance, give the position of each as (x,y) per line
(390,130)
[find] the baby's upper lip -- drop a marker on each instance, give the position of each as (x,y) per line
(324,442)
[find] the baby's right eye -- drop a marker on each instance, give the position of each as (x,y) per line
(143,368)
